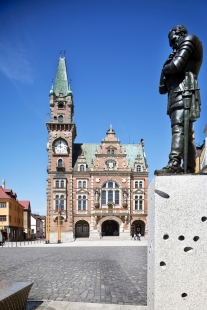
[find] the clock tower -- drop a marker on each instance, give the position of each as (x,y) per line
(62,133)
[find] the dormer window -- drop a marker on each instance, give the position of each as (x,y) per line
(138,169)
(111,151)
(82,168)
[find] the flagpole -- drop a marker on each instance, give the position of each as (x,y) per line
(59,228)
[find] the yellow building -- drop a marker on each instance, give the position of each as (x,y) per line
(11,215)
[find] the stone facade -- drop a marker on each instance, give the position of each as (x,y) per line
(98,189)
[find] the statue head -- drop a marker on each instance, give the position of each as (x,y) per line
(176,34)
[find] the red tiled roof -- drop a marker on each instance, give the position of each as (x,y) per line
(3,193)
(25,204)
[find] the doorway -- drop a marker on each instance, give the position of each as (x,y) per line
(110,228)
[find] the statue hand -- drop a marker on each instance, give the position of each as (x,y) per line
(170,58)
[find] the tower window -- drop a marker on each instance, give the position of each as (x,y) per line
(60,118)
(60,163)
(57,183)
(62,183)
(60,106)
(136,184)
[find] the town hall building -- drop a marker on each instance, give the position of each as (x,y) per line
(98,189)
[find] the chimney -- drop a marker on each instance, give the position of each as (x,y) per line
(3,183)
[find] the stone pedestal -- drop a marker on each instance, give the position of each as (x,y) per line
(66,236)
(177,243)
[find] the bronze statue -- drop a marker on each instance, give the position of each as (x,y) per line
(179,80)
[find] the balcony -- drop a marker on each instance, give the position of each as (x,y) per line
(138,211)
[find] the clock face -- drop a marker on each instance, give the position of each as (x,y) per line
(61,147)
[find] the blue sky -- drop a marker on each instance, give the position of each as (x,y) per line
(115,50)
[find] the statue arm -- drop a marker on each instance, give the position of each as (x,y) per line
(181,57)
(162,86)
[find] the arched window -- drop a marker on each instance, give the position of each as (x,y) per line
(116,197)
(136,184)
(108,151)
(140,203)
(103,197)
(110,196)
(136,202)
(110,193)
(138,168)
(81,167)
(60,162)
(62,202)
(84,202)
(57,183)
(62,183)
(140,184)
(79,202)
(60,118)
(79,183)
(60,105)
(56,202)
(84,183)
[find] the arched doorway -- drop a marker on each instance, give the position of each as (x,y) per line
(137,227)
(110,228)
(81,229)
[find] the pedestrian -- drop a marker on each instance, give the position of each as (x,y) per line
(139,235)
(135,237)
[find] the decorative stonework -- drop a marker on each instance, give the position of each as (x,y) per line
(110,164)
(123,180)
(97,180)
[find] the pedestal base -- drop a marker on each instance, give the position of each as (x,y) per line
(66,236)
(177,243)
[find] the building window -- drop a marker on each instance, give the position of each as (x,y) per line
(110,151)
(140,184)
(2,204)
(110,193)
(2,218)
(82,168)
(103,197)
(59,201)
(81,202)
(138,202)
(138,168)
(60,105)
(62,183)
(79,228)
(81,184)
(60,118)
(60,163)
(57,183)
(136,184)
(61,220)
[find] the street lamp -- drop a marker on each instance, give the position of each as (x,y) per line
(59,226)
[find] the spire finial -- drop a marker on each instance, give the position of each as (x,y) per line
(110,127)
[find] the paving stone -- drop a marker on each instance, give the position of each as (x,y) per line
(83,274)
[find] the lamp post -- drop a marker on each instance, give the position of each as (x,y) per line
(59,226)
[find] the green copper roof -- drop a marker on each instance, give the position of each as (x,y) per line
(61,81)
(132,150)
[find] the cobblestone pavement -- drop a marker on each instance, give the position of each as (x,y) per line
(104,275)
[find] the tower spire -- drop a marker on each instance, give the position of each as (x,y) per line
(61,81)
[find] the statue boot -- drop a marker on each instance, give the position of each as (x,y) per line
(175,157)
(173,167)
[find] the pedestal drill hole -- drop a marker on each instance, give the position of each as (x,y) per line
(181,238)
(204,219)
(162,194)
(196,238)
(163,265)
(188,249)
(165,237)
